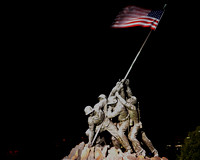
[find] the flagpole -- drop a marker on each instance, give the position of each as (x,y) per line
(163,12)
(137,55)
(142,46)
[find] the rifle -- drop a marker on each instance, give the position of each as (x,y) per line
(105,111)
(96,134)
(138,110)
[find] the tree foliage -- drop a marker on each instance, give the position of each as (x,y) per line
(191,146)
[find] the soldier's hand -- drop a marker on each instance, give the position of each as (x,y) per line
(119,87)
(127,82)
(122,81)
(140,123)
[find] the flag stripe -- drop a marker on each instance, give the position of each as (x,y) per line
(153,26)
(141,21)
(145,18)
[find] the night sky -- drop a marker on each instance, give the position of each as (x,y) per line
(86,57)
(92,57)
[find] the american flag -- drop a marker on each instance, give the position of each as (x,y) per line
(132,16)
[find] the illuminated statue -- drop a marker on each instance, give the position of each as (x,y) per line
(116,114)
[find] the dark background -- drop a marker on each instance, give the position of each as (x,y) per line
(93,57)
(59,59)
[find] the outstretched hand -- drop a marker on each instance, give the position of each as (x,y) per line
(119,86)
(127,82)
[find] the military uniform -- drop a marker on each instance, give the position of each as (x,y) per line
(121,113)
(135,128)
(137,125)
(96,120)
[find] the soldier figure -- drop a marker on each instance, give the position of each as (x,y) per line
(134,129)
(98,121)
(123,107)
(117,109)
(134,118)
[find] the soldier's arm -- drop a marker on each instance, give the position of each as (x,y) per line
(117,87)
(112,93)
(128,89)
(123,101)
(100,105)
(115,112)
(105,110)
(129,92)
(122,93)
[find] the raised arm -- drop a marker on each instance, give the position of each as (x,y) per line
(111,114)
(117,88)
(128,89)
(123,101)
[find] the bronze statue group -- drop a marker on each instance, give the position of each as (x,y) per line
(119,115)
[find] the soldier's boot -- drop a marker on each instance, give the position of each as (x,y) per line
(141,152)
(155,152)
(149,144)
(135,143)
(137,147)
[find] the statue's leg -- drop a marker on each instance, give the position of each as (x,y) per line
(135,143)
(112,129)
(149,144)
(122,128)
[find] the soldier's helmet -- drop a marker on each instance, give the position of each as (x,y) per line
(132,100)
(88,110)
(102,96)
(112,100)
